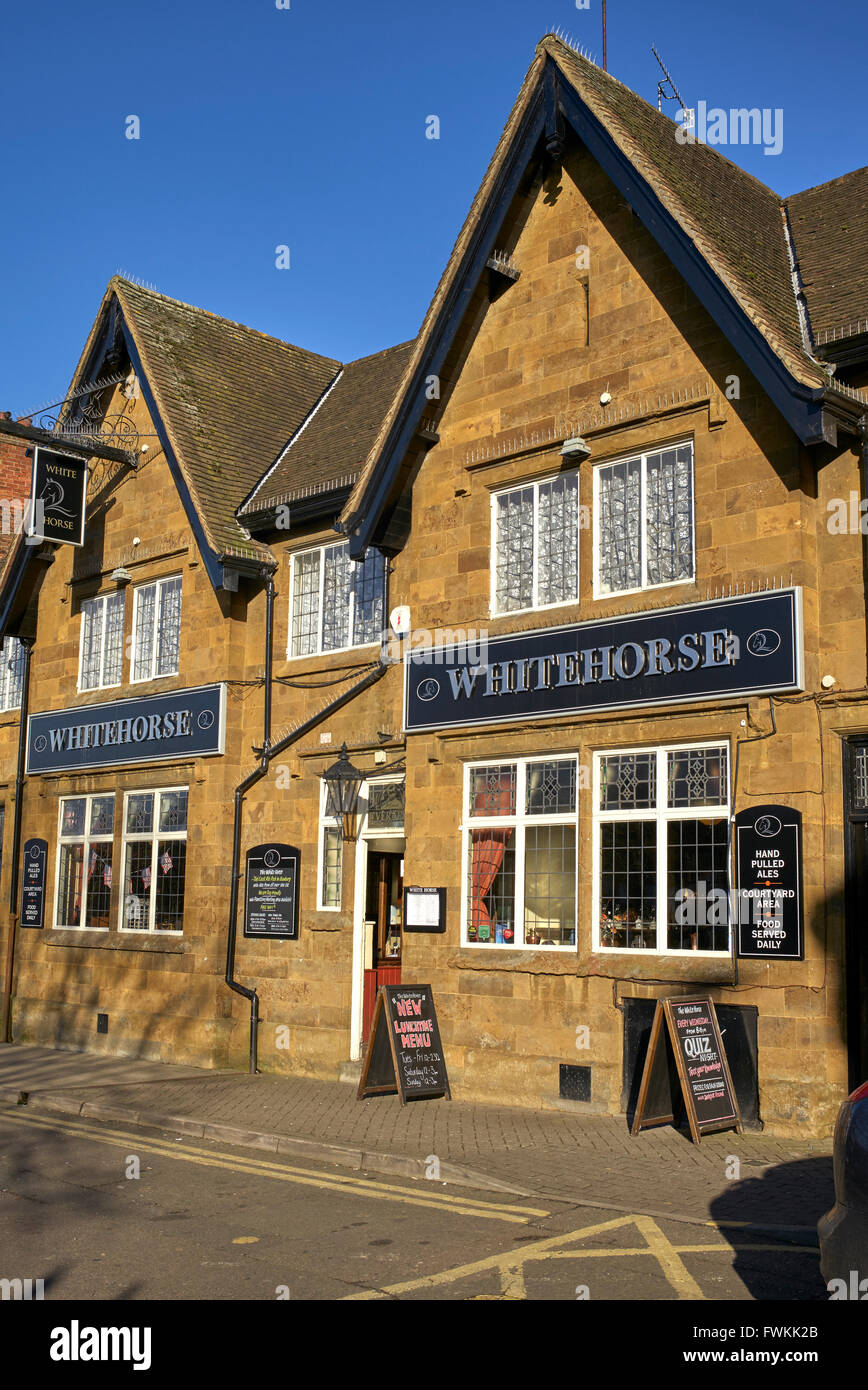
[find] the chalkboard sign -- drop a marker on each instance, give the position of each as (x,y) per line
(768,859)
(271,896)
(404,1053)
(700,1068)
(35,858)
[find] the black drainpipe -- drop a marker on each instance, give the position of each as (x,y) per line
(268,753)
(5,1032)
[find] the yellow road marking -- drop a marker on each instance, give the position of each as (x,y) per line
(353,1186)
(509,1266)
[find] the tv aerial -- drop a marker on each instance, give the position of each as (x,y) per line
(666,81)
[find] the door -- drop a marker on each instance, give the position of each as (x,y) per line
(856,906)
(384,906)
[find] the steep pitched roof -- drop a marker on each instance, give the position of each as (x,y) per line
(334,440)
(830,231)
(735,223)
(227,396)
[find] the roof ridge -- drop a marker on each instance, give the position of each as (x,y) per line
(219,318)
(383,352)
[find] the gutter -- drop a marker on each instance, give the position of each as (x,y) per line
(5,1029)
(267,753)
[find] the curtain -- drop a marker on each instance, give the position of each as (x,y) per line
(558,542)
(514,550)
(619,505)
(669,519)
(487,850)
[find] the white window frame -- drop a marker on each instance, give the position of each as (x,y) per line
(86,840)
(661,815)
(643,457)
(155,836)
(319,649)
(327,822)
(158,584)
(102,684)
(6,654)
(534,606)
(520,821)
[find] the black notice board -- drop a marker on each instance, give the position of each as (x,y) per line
(424,909)
(404,1052)
(768,875)
(695,1047)
(271,892)
(33,866)
(59,497)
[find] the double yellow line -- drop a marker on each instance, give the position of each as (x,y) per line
(350,1185)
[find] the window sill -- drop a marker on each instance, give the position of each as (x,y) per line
(525,961)
(101,940)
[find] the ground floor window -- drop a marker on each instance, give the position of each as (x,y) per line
(84,864)
(154,859)
(520,853)
(330,856)
(661,818)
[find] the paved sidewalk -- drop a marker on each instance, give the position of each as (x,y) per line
(574,1157)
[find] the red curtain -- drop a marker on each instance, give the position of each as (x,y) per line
(487,849)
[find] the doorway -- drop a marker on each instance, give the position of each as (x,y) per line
(856,896)
(384,908)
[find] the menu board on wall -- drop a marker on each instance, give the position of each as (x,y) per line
(34,860)
(404,1052)
(700,1066)
(424,909)
(271,896)
(768,870)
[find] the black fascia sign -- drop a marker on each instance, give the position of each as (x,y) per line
(58,498)
(768,876)
(700,651)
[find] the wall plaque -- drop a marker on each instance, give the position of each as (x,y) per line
(768,875)
(271,892)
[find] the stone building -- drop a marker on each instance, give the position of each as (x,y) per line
(612,488)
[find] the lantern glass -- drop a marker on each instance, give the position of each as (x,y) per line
(343,784)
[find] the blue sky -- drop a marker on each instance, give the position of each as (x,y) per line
(305,127)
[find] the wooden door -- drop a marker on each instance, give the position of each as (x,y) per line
(385,905)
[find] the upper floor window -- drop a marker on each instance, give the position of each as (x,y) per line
(11,673)
(156,629)
(102,641)
(643,521)
(535,544)
(335,602)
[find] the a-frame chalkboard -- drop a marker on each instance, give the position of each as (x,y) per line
(404,1052)
(695,1062)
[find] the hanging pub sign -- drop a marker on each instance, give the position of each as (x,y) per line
(34,860)
(58,498)
(751,645)
(404,1052)
(768,876)
(271,896)
(151,729)
(695,1062)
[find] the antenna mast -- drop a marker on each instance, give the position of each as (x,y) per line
(605,69)
(674,95)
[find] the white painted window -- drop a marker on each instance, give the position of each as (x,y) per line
(154,860)
(101,650)
(329,857)
(535,544)
(11,673)
(335,602)
(643,522)
(157,629)
(660,846)
(519,853)
(84,862)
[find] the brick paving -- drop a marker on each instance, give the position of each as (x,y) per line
(574,1156)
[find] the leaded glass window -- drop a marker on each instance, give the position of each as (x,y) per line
(662,849)
(520,853)
(102,641)
(157,629)
(330,859)
(154,860)
(860,778)
(336,602)
(644,521)
(11,673)
(385,805)
(535,544)
(84,862)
